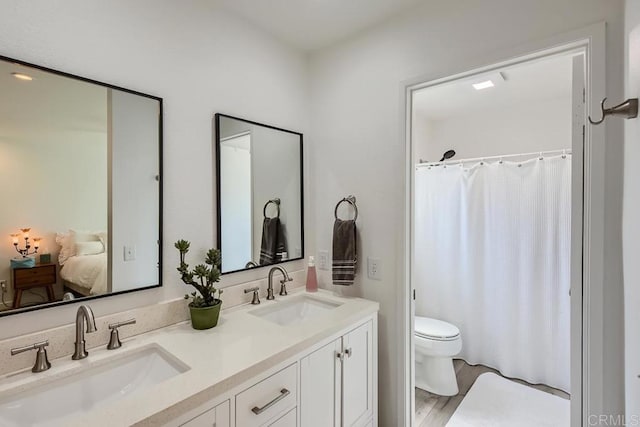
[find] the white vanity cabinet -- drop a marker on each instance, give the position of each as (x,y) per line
(336,381)
(331,383)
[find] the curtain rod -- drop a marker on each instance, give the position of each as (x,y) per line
(481,159)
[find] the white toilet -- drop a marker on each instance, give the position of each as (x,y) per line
(436,344)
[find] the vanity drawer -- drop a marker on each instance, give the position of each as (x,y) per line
(271,396)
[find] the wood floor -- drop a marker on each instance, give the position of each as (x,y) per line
(435,411)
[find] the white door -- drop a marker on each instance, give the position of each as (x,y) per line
(320,378)
(357,375)
(578,130)
(237,192)
(631,217)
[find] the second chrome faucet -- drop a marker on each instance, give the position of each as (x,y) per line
(83,316)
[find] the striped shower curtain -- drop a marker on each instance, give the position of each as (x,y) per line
(492,256)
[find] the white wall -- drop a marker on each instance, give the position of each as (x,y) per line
(357,147)
(516,129)
(632,215)
(135,212)
(44,186)
(201,60)
(276,165)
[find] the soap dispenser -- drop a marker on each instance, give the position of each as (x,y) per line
(312,278)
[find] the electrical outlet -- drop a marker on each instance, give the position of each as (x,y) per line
(130,253)
(3,285)
(373,268)
(323,259)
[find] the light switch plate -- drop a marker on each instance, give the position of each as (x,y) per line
(130,253)
(323,259)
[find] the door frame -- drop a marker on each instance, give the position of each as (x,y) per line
(587,265)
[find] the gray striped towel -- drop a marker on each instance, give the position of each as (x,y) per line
(274,244)
(344,252)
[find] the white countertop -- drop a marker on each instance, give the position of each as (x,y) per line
(239,348)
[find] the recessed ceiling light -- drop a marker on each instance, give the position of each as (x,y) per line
(483,85)
(21,76)
(486,81)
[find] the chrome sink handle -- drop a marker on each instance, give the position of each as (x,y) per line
(256,297)
(42,361)
(283,286)
(114,340)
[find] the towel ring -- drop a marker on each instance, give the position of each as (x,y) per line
(276,201)
(352,201)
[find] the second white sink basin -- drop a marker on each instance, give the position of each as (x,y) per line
(295,309)
(115,378)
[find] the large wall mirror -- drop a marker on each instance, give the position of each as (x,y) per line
(80,165)
(259,189)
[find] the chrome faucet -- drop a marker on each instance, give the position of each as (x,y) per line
(84,315)
(283,289)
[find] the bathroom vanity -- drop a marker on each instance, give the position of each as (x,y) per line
(301,360)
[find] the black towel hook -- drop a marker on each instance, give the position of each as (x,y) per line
(628,109)
(352,201)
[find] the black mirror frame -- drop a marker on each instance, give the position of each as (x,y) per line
(216,141)
(5,313)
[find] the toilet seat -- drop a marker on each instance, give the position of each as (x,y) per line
(437,330)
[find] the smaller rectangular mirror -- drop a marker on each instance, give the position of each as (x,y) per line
(259,194)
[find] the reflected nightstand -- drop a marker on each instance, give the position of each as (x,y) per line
(40,276)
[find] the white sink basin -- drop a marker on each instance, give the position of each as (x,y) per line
(295,309)
(115,378)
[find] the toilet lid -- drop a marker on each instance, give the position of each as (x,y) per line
(435,329)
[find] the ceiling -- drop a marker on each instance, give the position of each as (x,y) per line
(312,24)
(49,102)
(547,78)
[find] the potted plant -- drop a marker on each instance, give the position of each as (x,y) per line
(204,306)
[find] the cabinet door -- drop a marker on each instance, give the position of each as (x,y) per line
(288,420)
(357,371)
(320,387)
(215,417)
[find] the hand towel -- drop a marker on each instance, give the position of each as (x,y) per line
(344,252)
(273,245)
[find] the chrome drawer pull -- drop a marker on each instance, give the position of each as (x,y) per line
(283,393)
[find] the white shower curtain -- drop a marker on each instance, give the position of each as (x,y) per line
(492,256)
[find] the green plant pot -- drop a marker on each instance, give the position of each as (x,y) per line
(205,317)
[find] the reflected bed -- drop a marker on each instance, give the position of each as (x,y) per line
(86,274)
